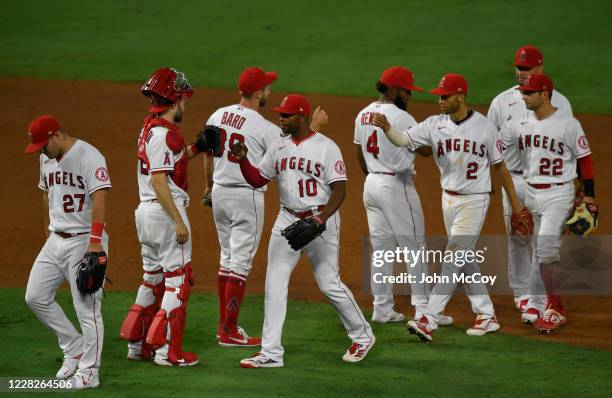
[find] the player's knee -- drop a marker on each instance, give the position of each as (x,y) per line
(153,279)
(240,269)
(35,299)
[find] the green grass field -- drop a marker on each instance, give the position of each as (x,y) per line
(454,365)
(337,47)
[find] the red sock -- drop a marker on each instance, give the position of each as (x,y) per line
(552,281)
(221,284)
(234,292)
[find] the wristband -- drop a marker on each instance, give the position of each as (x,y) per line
(194,149)
(97,228)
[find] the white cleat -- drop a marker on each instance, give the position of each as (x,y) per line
(445,320)
(389,317)
(483,326)
(260,360)
(357,352)
(80,382)
(69,367)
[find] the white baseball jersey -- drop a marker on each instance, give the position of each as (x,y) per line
(548,148)
(161,148)
(462,152)
(240,124)
(69,182)
(380,155)
(304,170)
(509,106)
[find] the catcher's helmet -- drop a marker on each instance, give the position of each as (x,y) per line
(165,87)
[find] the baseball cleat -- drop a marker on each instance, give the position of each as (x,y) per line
(357,351)
(551,321)
(260,360)
(445,320)
(69,367)
(134,355)
(521,305)
(530,316)
(238,339)
(389,317)
(80,382)
(421,329)
(483,326)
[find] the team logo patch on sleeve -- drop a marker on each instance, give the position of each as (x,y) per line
(340,167)
(583,143)
(102,174)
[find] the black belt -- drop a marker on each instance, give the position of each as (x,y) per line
(66,235)
(519,172)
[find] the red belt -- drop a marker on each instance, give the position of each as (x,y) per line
(453,193)
(304,214)
(545,186)
(384,173)
(66,235)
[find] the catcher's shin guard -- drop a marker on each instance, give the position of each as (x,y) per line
(138,320)
(176,320)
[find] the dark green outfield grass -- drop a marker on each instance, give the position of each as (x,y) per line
(334,47)
(454,365)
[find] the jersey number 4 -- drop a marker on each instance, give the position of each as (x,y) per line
(69,202)
(372,145)
(233,139)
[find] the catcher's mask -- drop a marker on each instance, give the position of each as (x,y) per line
(165,87)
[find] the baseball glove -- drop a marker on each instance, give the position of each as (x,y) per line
(584,219)
(209,140)
(522,223)
(302,232)
(91,272)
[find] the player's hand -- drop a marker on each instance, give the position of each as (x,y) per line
(182,233)
(380,120)
(319,119)
(95,247)
(207,197)
(239,150)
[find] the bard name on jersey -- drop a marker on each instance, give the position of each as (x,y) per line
(241,124)
(380,155)
(69,183)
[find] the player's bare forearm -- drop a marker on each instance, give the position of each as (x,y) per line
(191,153)
(424,151)
(362,162)
(506,181)
(338,193)
(319,119)
(209,168)
(45,199)
(98,214)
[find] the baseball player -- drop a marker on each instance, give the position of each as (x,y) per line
(75,183)
(392,204)
(311,177)
(155,323)
(509,106)
(551,146)
(238,208)
(465,144)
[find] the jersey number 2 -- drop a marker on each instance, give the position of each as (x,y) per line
(472,168)
(372,145)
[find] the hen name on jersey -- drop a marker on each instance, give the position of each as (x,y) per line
(541,141)
(301,164)
(235,121)
(461,145)
(64,178)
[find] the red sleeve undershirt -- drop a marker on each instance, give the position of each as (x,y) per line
(587,168)
(251,174)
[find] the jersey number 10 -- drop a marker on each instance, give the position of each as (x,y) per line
(308,186)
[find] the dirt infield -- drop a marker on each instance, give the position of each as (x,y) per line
(109,116)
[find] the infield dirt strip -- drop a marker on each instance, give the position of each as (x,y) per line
(109,116)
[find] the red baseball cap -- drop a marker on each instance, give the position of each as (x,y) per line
(294,104)
(39,131)
(253,79)
(528,56)
(398,76)
(537,82)
(451,83)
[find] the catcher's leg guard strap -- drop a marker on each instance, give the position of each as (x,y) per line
(177,316)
